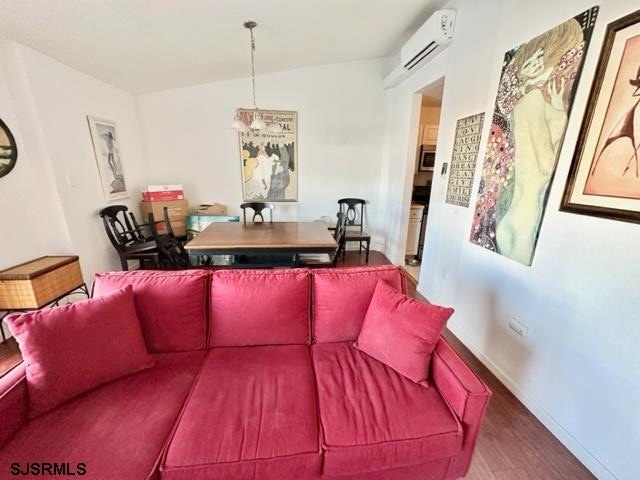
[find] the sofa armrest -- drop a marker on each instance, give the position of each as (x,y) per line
(467,396)
(14,404)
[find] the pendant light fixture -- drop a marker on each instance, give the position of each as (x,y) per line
(257,122)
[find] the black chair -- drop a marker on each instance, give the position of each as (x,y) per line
(354,208)
(172,254)
(131,240)
(257,208)
(325,260)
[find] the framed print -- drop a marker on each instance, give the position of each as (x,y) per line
(107,151)
(604,179)
(463,159)
(269,159)
(8,150)
(532,108)
(427,159)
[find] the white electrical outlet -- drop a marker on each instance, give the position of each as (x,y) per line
(520,328)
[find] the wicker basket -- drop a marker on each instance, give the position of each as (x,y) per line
(36,283)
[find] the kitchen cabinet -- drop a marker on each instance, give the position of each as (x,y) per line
(430,135)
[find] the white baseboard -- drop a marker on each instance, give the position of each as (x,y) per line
(568,440)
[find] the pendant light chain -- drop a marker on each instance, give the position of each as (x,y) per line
(253,67)
(257,123)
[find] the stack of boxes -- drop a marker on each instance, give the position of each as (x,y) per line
(156,197)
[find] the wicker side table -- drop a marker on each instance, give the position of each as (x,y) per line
(35,284)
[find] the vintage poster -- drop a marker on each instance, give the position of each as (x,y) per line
(534,100)
(106,147)
(605,174)
(463,159)
(270,159)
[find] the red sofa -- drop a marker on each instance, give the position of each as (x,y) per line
(255,377)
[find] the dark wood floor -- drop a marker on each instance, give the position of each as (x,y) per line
(513,444)
(9,355)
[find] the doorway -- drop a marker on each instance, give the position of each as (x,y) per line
(425,153)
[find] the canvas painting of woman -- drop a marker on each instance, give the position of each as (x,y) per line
(535,95)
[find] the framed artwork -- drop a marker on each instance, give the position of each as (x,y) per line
(8,150)
(604,179)
(270,159)
(107,151)
(427,159)
(534,100)
(463,159)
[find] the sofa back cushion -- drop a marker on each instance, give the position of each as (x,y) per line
(259,307)
(74,348)
(171,306)
(342,296)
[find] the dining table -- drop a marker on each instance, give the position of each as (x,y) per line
(263,243)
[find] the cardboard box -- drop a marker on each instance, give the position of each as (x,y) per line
(163,196)
(179,227)
(162,188)
(177,209)
(211,209)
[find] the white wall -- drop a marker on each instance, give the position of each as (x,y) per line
(340,129)
(62,98)
(29,218)
(579,368)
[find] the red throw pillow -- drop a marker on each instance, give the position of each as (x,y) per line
(401,332)
(73,348)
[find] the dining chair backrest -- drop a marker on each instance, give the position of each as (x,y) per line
(121,226)
(257,208)
(353,208)
(339,235)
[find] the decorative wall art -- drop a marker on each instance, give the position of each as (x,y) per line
(270,159)
(107,151)
(534,100)
(463,159)
(8,150)
(604,179)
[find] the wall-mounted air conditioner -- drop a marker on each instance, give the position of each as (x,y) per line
(429,40)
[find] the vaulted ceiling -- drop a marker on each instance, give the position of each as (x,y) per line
(148,45)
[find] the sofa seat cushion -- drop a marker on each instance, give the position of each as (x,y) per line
(117,430)
(373,418)
(252,414)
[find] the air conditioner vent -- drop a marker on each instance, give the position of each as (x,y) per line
(422,54)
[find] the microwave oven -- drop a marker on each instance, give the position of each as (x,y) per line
(427,158)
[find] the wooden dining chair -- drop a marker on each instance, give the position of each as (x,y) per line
(257,208)
(130,239)
(172,253)
(354,209)
(326,260)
